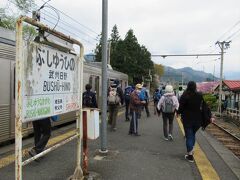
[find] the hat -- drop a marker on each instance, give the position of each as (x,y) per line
(138,86)
(116,81)
(168,89)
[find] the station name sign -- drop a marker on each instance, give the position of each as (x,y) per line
(51,82)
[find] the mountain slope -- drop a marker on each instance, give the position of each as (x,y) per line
(187,73)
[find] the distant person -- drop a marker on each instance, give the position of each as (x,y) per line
(115,99)
(144,96)
(180,92)
(168,105)
(191,115)
(89,98)
(162,91)
(156,98)
(127,94)
(135,109)
(42,133)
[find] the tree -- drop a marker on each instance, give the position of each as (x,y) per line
(98,50)
(128,56)
(158,69)
(9,21)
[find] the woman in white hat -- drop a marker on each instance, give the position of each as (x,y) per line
(168,105)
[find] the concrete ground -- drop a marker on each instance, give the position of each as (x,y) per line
(146,157)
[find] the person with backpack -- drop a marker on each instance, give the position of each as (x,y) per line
(156,98)
(144,96)
(89,98)
(193,109)
(135,109)
(115,99)
(168,105)
(127,93)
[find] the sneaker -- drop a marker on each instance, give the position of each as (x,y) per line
(165,138)
(189,158)
(33,153)
(170,137)
(114,129)
(136,134)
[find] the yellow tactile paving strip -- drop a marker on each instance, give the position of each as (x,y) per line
(203,164)
(11,158)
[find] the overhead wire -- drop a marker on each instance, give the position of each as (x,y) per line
(238,22)
(58,19)
(89,29)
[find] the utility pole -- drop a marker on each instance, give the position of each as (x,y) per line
(109,53)
(103,148)
(223,45)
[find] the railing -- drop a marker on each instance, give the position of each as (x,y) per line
(234,113)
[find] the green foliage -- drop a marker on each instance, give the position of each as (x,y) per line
(6,21)
(127,55)
(9,21)
(159,69)
(25,5)
(211,101)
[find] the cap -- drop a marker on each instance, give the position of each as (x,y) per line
(168,89)
(138,86)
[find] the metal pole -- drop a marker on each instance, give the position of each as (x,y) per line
(104,77)
(109,53)
(18,104)
(85,146)
(221,79)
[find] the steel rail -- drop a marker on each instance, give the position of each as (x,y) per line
(220,127)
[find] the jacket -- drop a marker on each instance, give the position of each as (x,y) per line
(190,109)
(135,102)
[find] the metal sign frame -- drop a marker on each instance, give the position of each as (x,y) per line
(78,174)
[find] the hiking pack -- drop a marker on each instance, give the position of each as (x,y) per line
(87,99)
(127,93)
(168,106)
(143,96)
(157,96)
(113,97)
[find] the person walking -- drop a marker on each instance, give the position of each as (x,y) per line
(135,109)
(168,105)
(127,93)
(115,99)
(191,116)
(144,96)
(156,98)
(42,133)
(89,98)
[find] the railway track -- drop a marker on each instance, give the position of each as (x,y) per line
(225,136)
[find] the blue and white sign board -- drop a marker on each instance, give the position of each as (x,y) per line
(51,82)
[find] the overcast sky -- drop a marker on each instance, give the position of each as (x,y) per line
(164,27)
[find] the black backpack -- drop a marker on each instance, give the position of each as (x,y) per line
(87,99)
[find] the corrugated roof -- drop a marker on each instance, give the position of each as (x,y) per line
(233,85)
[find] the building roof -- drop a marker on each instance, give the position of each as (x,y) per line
(232,84)
(206,87)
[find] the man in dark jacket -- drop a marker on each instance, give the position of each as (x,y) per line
(115,99)
(89,97)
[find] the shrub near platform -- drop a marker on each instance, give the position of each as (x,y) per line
(211,100)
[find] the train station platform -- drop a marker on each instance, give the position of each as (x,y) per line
(145,157)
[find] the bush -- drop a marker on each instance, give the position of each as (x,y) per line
(211,101)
